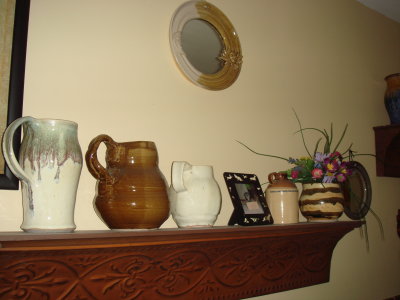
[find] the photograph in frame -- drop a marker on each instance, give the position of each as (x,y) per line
(250,206)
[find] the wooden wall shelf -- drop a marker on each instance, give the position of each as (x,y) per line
(387,148)
(216,263)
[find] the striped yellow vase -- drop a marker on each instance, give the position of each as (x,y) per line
(321,202)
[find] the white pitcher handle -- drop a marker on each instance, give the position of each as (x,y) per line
(8,151)
(178,167)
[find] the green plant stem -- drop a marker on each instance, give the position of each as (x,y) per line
(361,154)
(348,150)
(316,146)
(327,147)
(302,135)
(255,152)
(323,132)
(364,228)
(364,233)
(341,138)
(379,223)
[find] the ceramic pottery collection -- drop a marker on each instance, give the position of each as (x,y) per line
(49,168)
(194,195)
(131,190)
(282,199)
(392,97)
(321,202)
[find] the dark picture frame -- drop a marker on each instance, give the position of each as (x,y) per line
(15,78)
(250,206)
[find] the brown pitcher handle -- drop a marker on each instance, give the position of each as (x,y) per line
(273,177)
(92,162)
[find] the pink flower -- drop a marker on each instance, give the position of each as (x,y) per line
(340,177)
(316,173)
(335,155)
(295,174)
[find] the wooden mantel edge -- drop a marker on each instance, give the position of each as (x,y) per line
(110,238)
(217,263)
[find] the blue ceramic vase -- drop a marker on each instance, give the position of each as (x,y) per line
(392,97)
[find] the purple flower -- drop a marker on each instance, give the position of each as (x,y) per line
(336,155)
(333,166)
(344,168)
(324,167)
(328,178)
(320,157)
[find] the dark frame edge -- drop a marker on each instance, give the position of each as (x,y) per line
(17,79)
(238,216)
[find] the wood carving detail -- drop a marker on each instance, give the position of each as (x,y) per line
(162,271)
(316,252)
(223,264)
(31,280)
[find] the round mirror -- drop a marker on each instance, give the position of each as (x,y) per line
(205,45)
(202,46)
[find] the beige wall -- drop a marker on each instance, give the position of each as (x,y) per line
(107,65)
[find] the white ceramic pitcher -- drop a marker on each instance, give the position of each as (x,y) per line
(49,167)
(194,195)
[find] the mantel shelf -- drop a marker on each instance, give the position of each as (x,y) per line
(387,148)
(214,263)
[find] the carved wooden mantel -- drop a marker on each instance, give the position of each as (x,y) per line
(215,263)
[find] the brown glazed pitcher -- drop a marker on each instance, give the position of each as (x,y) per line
(131,190)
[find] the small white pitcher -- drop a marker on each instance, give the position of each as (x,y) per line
(194,195)
(49,167)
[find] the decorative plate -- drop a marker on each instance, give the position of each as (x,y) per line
(357,192)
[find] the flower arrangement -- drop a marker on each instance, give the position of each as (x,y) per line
(324,166)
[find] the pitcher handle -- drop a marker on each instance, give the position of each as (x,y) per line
(8,150)
(273,177)
(178,167)
(94,166)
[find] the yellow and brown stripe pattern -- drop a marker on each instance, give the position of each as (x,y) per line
(321,202)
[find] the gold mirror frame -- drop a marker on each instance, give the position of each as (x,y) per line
(231,55)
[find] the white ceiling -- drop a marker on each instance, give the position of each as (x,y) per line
(389,8)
